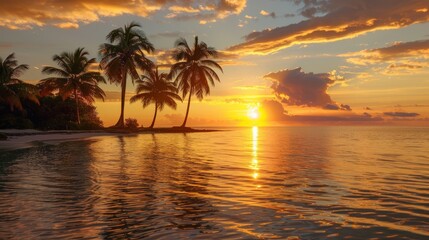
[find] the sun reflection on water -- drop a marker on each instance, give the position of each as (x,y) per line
(255,163)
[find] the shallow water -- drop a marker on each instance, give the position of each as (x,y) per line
(246,183)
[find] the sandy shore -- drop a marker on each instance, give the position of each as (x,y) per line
(18,138)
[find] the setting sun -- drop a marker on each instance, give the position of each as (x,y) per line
(253,113)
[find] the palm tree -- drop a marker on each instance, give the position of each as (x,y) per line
(194,71)
(123,55)
(74,78)
(12,90)
(155,87)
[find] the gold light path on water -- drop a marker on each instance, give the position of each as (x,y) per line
(255,164)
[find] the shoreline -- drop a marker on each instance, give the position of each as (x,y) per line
(26,138)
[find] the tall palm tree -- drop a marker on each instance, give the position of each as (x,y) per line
(12,89)
(74,78)
(123,55)
(194,70)
(155,87)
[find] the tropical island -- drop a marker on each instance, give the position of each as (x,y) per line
(64,100)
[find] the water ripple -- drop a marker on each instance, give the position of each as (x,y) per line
(257,183)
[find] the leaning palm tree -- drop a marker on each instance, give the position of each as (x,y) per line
(74,78)
(124,55)
(12,89)
(155,87)
(194,70)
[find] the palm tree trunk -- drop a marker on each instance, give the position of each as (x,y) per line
(120,123)
(77,106)
(187,109)
(154,116)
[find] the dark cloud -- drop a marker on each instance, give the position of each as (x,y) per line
(403,66)
(401,114)
(295,87)
(332,20)
(288,15)
(274,111)
(334,106)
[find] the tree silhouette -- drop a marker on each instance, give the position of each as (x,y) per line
(193,71)
(74,78)
(122,56)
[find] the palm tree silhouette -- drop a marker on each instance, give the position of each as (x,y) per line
(12,89)
(123,55)
(194,71)
(74,78)
(155,87)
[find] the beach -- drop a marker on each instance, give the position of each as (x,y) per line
(24,138)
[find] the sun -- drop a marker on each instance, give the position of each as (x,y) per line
(253,113)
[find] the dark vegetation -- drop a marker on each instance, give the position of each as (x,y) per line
(63,100)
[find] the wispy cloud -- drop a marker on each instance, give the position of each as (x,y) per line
(415,49)
(400,58)
(333,20)
(267,14)
(401,114)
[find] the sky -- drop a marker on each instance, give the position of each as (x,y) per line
(292,62)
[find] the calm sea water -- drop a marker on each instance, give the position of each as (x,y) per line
(245,183)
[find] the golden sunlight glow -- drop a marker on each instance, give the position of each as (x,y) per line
(253,112)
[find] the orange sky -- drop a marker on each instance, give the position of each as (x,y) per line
(361,62)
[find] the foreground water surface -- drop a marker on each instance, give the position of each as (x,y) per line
(244,183)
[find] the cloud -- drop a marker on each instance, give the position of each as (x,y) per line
(173,34)
(27,14)
(401,114)
(183,9)
(416,49)
(274,111)
(334,106)
(218,9)
(333,20)
(267,14)
(295,87)
(67,25)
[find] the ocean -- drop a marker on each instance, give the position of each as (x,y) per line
(241,183)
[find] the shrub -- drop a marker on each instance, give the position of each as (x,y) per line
(3,137)
(131,123)
(16,122)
